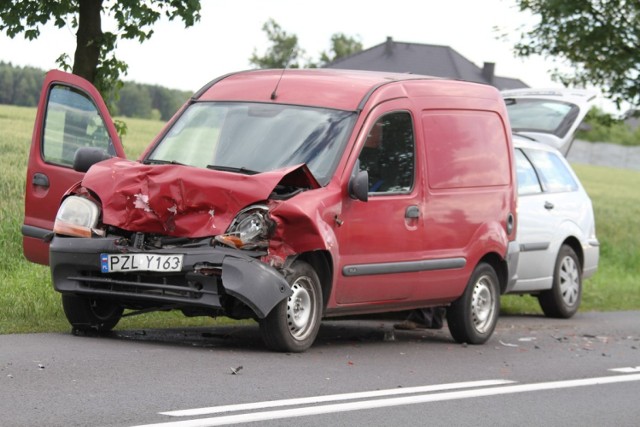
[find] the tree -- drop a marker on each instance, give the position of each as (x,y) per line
(6,83)
(600,127)
(167,101)
(135,101)
(284,51)
(20,85)
(341,47)
(94,57)
(599,39)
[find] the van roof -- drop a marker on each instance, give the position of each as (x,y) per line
(330,88)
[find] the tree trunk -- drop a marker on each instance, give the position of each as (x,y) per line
(89,39)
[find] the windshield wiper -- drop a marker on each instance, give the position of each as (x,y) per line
(161,162)
(233,169)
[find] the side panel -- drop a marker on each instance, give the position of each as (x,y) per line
(469,193)
(71,114)
(466,149)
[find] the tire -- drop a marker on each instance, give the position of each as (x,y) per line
(563,299)
(293,324)
(87,314)
(473,317)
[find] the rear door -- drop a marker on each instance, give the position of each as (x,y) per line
(536,227)
(71,114)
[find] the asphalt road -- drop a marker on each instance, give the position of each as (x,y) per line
(534,371)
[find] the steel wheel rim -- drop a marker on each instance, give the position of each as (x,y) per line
(482,304)
(569,281)
(301,308)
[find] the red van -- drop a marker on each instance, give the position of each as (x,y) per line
(282,196)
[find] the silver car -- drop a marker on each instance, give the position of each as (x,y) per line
(556,228)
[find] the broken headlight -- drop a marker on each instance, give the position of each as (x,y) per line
(250,229)
(77,216)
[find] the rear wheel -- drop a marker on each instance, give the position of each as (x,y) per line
(563,299)
(88,314)
(473,317)
(293,324)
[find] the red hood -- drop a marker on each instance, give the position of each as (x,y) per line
(179,200)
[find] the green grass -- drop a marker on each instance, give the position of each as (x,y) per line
(28,302)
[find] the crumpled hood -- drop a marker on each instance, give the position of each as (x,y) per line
(179,200)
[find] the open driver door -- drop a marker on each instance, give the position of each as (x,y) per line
(71,114)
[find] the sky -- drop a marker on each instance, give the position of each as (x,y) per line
(230,31)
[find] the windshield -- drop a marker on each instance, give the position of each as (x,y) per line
(254,138)
(541,115)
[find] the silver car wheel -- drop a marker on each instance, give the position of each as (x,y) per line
(563,299)
(569,281)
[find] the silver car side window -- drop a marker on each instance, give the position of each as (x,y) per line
(528,182)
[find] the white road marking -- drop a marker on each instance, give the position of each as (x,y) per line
(397,401)
(332,398)
(626,370)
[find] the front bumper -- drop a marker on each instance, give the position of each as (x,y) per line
(208,275)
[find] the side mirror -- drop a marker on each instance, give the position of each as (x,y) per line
(88,156)
(359,186)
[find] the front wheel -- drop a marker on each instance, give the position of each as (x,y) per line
(293,324)
(473,317)
(563,299)
(88,314)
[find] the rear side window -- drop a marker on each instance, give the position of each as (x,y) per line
(528,182)
(554,173)
(466,148)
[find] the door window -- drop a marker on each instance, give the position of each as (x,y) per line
(388,154)
(72,121)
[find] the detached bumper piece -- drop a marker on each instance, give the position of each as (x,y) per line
(208,275)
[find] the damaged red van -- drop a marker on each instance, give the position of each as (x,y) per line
(283,196)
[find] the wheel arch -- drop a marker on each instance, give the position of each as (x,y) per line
(500,267)
(574,244)
(322,264)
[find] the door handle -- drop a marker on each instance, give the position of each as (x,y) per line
(412,212)
(41,180)
(548,205)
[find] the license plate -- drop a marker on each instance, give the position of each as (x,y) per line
(111,263)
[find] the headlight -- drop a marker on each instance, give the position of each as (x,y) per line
(77,216)
(249,229)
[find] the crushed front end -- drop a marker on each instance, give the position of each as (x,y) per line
(229,274)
